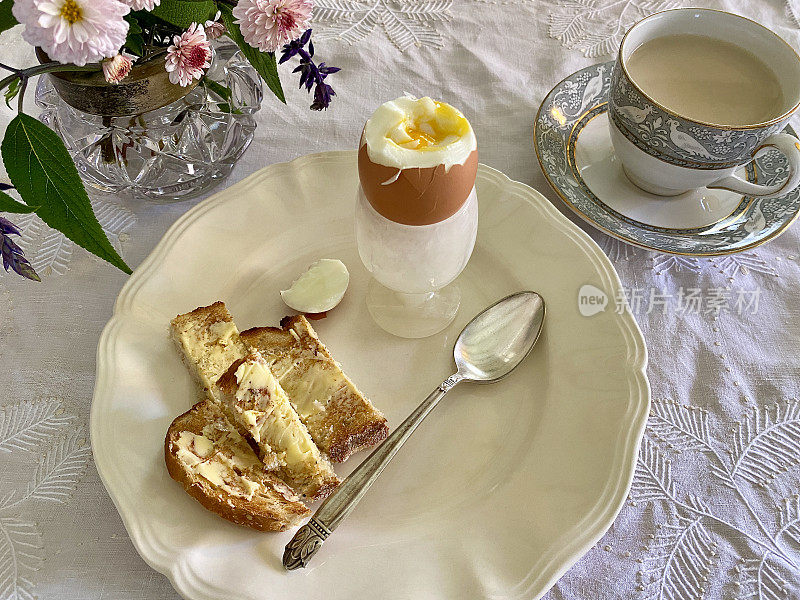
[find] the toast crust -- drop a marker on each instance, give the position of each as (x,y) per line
(272,506)
(341,422)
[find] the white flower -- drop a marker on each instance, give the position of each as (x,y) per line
(147,5)
(188,56)
(269,24)
(74,31)
(214,28)
(117,68)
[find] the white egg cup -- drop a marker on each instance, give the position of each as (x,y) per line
(411,294)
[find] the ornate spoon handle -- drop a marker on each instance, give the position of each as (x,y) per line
(341,503)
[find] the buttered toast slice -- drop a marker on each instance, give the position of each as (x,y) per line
(218,468)
(339,418)
(209,341)
(251,396)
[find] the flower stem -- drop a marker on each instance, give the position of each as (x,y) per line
(25,74)
(23,86)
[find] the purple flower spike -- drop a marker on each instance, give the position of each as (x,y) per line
(311,75)
(294,47)
(12,253)
(323,94)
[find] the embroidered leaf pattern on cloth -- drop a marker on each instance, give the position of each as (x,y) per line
(767,443)
(406,23)
(789,520)
(678,562)
(743,263)
(31,426)
(664,263)
(596,27)
(683,553)
(60,469)
(25,425)
(20,557)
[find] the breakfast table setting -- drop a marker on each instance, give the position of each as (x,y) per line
(555,214)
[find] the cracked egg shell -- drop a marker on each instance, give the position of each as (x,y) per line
(417,196)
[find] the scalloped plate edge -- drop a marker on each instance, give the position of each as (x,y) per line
(547,569)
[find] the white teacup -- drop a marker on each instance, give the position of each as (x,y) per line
(667,153)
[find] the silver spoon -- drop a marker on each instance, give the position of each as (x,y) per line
(488,349)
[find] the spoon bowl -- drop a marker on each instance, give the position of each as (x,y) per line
(498,339)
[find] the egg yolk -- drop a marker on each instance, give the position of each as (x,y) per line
(438,126)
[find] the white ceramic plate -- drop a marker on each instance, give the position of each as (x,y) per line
(497,493)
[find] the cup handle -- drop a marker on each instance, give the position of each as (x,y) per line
(786,144)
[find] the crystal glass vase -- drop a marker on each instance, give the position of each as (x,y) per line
(174,152)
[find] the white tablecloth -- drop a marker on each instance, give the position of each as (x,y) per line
(714,509)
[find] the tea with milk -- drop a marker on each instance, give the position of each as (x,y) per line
(706,79)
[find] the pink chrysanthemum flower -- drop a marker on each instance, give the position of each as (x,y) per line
(269,24)
(74,31)
(116,69)
(147,5)
(214,28)
(188,56)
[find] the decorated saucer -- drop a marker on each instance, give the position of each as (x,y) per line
(573,145)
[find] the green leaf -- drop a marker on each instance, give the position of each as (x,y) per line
(135,44)
(220,90)
(224,93)
(263,62)
(135,41)
(133,24)
(9,205)
(12,91)
(7,20)
(43,172)
(183,13)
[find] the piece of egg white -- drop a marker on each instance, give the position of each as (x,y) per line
(320,288)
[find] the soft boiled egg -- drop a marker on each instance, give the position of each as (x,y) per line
(417,161)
